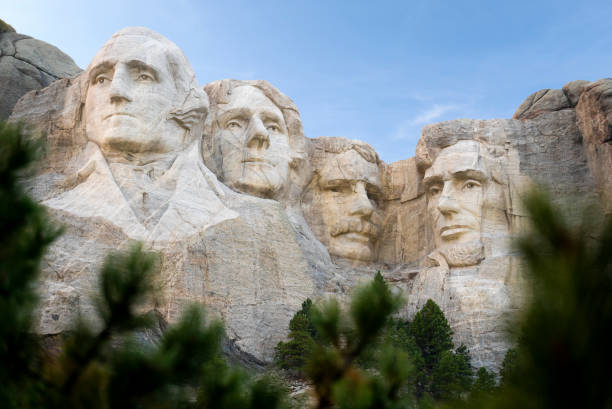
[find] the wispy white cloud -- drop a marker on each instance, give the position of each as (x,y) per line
(410,129)
(434,112)
(405,130)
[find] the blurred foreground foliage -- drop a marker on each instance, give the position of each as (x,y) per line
(102,365)
(563,357)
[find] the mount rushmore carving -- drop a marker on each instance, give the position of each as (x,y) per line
(251,217)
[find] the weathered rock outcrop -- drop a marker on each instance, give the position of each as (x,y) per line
(27,64)
(594,112)
(251,217)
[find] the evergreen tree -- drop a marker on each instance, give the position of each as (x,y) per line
(465,372)
(484,383)
(451,376)
(332,367)
(432,333)
(398,336)
(508,367)
(292,355)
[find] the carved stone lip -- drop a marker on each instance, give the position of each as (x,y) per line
(118,114)
(454,230)
(354,233)
(356,236)
(257,160)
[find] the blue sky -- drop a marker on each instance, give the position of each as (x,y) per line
(375,71)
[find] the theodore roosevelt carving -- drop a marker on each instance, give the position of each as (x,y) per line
(344,198)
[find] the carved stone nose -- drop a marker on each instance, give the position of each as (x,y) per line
(119,97)
(447,205)
(258,135)
(361,205)
(120,88)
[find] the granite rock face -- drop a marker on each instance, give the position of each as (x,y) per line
(594,111)
(251,217)
(27,64)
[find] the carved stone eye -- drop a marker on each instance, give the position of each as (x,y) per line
(273,128)
(233,125)
(100,80)
(145,77)
(434,190)
(344,189)
(470,184)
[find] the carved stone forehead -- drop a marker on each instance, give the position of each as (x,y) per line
(251,99)
(147,46)
(349,166)
(132,47)
(462,156)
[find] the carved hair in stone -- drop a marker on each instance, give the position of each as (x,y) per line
(342,204)
(471,181)
(254,140)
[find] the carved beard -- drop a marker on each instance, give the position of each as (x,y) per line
(457,255)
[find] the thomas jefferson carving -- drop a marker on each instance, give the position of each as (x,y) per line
(255,141)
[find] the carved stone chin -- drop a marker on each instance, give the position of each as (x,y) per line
(457,255)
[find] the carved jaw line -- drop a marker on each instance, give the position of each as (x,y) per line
(254,180)
(457,255)
(354,246)
(353,239)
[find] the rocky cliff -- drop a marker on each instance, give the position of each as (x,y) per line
(28,64)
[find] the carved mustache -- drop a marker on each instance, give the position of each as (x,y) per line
(355,226)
